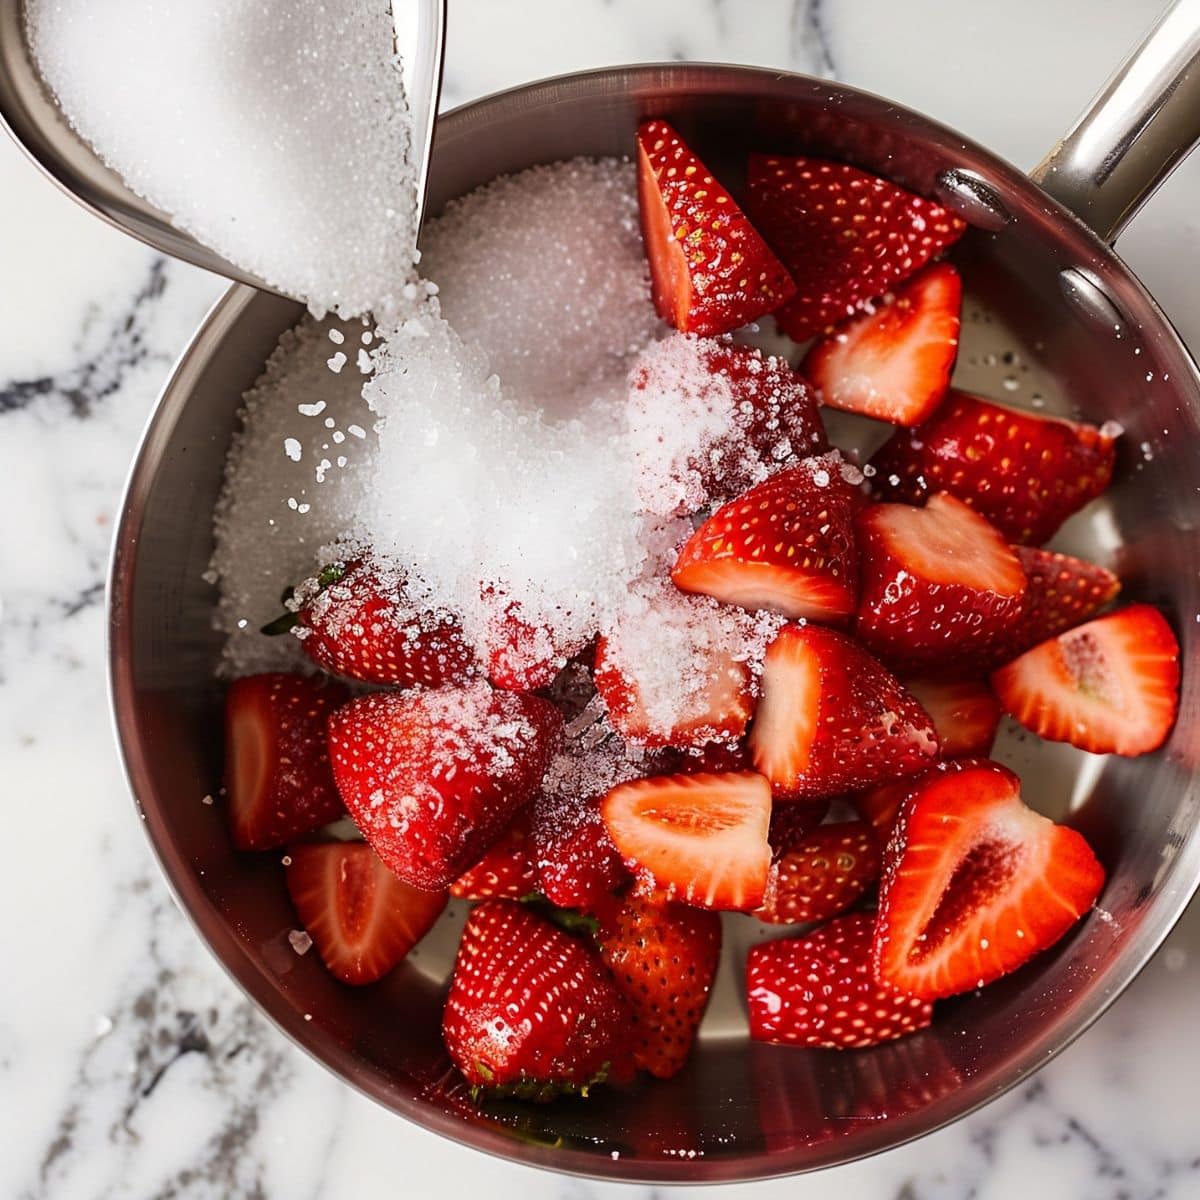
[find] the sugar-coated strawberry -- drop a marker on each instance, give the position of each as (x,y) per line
(894,361)
(822,875)
(832,720)
(1110,686)
(365,626)
(519,655)
(361,918)
(277,776)
(965,713)
(786,546)
(1026,473)
(710,270)
(507,870)
(975,883)
(709,419)
(532,1012)
(701,839)
(663,958)
(576,864)
(846,236)
(433,778)
(820,990)
(940,586)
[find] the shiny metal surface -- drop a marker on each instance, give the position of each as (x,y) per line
(1044,297)
(30,115)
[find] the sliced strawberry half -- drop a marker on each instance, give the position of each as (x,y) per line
(822,875)
(831,719)
(940,585)
(433,778)
(846,236)
(965,713)
(786,546)
(697,838)
(575,862)
(710,270)
(1026,473)
(1110,686)
(361,918)
(507,870)
(532,1012)
(880,806)
(663,959)
(819,990)
(277,775)
(975,884)
(893,363)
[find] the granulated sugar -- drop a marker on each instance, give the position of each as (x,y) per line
(276,133)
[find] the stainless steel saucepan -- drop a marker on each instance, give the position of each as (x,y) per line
(1054,320)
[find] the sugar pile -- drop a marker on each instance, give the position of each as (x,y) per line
(276,133)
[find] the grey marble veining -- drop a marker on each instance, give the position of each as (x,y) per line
(129,1066)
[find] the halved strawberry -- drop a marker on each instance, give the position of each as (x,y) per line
(880,806)
(433,778)
(965,713)
(361,918)
(711,272)
(786,546)
(893,362)
(819,990)
(832,720)
(532,1012)
(697,838)
(277,776)
(576,864)
(846,236)
(507,870)
(1026,473)
(365,626)
(663,958)
(975,884)
(940,586)
(822,875)
(709,419)
(1110,686)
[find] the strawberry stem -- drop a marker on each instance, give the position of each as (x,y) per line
(285,622)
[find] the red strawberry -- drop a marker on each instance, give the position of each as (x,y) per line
(433,778)
(893,362)
(365,626)
(708,419)
(1110,686)
(711,272)
(975,884)
(575,861)
(786,546)
(1027,474)
(506,870)
(881,805)
(965,713)
(697,838)
(361,918)
(819,991)
(791,823)
(531,1011)
(663,959)
(832,720)
(518,655)
(940,586)
(277,772)
(822,875)
(846,236)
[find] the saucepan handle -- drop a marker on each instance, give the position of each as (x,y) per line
(1141,125)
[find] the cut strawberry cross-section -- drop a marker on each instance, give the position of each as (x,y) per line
(975,884)
(893,363)
(846,236)
(697,838)
(1110,686)
(831,719)
(710,270)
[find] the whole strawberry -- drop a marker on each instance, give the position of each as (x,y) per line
(531,1011)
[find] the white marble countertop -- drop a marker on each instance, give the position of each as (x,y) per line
(129,1065)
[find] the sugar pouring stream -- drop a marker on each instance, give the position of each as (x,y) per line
(34,119)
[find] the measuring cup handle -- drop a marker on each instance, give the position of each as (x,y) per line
(1140,126)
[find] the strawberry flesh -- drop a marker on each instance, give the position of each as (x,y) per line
(822,875)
